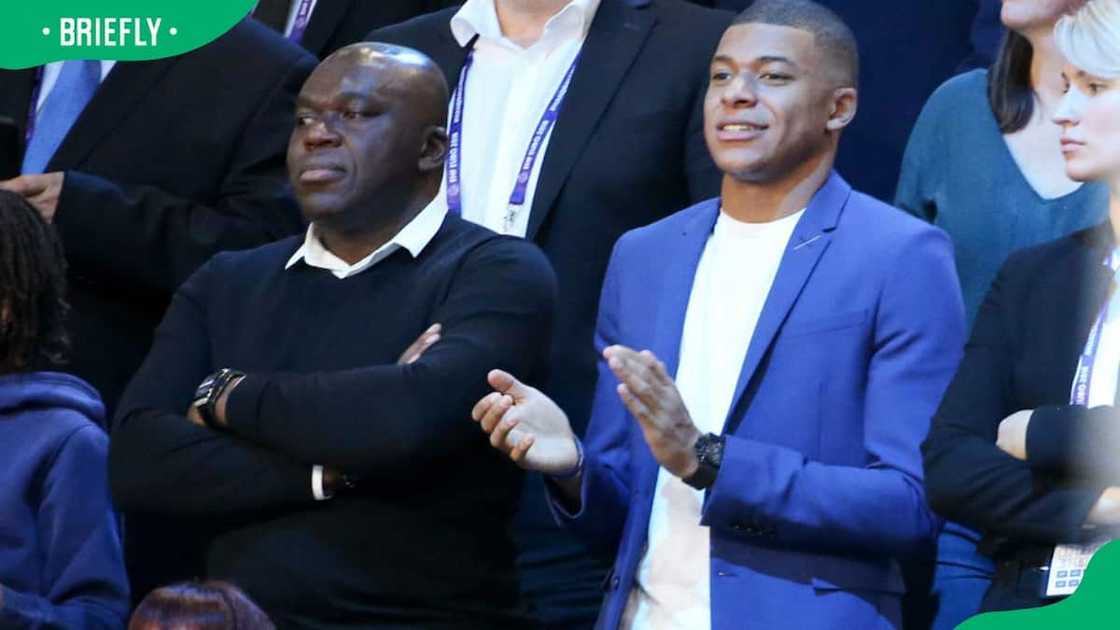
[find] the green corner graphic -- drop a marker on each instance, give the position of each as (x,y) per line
(35,33)
(1093,605)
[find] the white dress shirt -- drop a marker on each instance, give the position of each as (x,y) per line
(414,237)
(507,91)
(736,271)
(50,77)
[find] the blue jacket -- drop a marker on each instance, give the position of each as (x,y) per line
(820,491)
(60,552)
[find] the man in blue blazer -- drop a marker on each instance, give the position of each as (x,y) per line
(759,462)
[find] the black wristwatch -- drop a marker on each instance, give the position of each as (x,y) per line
(209,391)
(709,452)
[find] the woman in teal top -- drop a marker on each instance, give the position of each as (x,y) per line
(991,177)
(984,164)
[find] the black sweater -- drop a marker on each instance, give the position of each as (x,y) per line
(423,542)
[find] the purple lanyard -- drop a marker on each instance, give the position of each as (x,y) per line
(454,159)
(303,18)
(1079,393)
(33,109)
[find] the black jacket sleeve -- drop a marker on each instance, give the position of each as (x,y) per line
(157,239)
(967,477)
(1075,441)
(161,462)
(379,420)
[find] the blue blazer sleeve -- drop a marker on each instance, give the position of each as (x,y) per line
(806,504)
(83,569)
(605,489)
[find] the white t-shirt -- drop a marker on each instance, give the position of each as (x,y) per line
(732,281)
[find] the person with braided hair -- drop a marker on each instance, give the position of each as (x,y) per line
(61,564)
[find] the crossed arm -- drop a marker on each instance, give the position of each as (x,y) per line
(371,421)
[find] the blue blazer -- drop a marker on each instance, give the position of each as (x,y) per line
(820,491)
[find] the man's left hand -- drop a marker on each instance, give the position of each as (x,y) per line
(219,407)
(41,191)
(1012,437)
(652,397)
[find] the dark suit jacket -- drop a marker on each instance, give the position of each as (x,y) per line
(906,51)
(627,149)
(337,23)
(1023,353)
(172,161)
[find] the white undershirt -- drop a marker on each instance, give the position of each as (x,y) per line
(732,281)
(508,89)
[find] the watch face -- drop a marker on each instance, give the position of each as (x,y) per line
(203,391)
(710,450)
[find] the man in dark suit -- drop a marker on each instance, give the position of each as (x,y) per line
(906,50)
(336,23)
(169,162)
(627,149)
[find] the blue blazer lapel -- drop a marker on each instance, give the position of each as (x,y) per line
(810,239)
(672,303)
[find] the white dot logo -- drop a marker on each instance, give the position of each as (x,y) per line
(46,31)
(174,31)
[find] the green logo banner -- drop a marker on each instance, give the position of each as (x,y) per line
(1093,605)
(41,31)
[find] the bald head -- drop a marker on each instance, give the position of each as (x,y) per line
(369,143)
(411,74)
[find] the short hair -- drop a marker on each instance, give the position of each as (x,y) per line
(33,305)
(1090,38)
(212,605)
(830,33)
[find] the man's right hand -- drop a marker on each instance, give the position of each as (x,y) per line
(426,340)
(526,425)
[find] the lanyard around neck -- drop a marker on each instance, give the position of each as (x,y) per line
(455,143)
(1082,380)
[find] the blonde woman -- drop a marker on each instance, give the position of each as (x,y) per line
(1020,447)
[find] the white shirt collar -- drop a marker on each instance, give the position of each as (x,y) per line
(478,17)
(413,237)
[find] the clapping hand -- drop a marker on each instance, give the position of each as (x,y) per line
(652,397)
(527,426)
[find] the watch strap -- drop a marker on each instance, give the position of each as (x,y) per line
(709,455)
